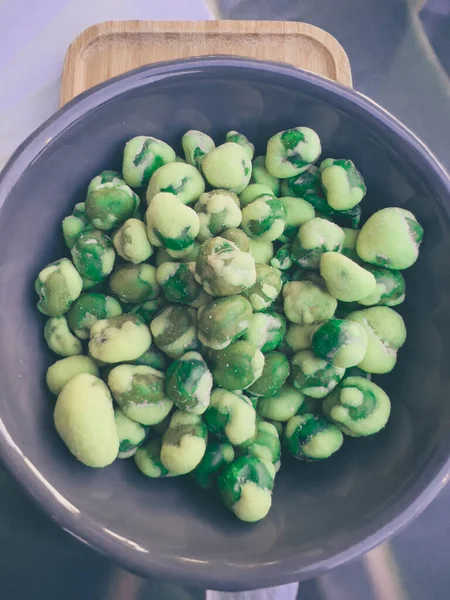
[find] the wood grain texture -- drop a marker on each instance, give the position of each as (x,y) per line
(114,47)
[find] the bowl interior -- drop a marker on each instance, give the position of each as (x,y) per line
(319,511)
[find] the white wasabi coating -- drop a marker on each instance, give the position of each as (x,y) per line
(217,205)
(336,182)
(254,503)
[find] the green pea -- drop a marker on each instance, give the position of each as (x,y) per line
(265,289)
(223,321)
(275,372)
(60,339)
(148,460)
(153,358)
(142,156)
(282,259)
(62,371)
(189,383)
(390,238)
(175,330)
(253,191)
(281,406)
(246,488)
(171,224)
(298,337)
(96,286)
(181,180)
(264,219)
(345,279)
(131,241)
(341,342)
(190,256)
(217,456)
(242,140)
(266,445)
(306,303)
(298,211)
(75,224)
(84,419)
(109,205)
(389,289)
(314,376)
(237,366)
(89,308)
(196,145)
(231,417)
(131,434)
(315,237)
(311,437)
(134,283)
(238,237)
(140,393)
(184,443)
(57,286)
(291,152)
(93,255)
(178,283)
(228,167)
(350,239)
(358,407)
(223,269)
(217,210)
(265,330)
(262,251)
(105,177)
(386,333)
(262,176)
(119,339)
(343,184)
(147,311)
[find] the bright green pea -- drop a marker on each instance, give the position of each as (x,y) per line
(147,311)
(89,308)
(196,145)
(223,321)
(142,156)
(314,376)
(298,337)
(311,437)
(119,339)
(57,286)
(228,167)
(131,434)
(242,140)
(178,283)
(60,339)
(175,330)
(231,417)
(75,224)
(343,184)
(265,289)
(265,330)
(62,371)
(217,210)
(341,342)
(93,255)
(153,358)
(237,366)
(181,180)
(315,237)
(131,241)
(345,279)
(264,219)
(261,176)
(253,191)
(291,152)
(262,251)
(389,289)
(217,456)
(184,443)
(109,205)
(281,406)
(189,383)
(306,303)
(307,186)
(238,237)
(358,407)
(148,460)
(134,283)
(266,445)
(275,372)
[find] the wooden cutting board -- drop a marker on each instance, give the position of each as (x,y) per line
(114,47)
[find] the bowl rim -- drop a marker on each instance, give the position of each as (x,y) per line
(215,574)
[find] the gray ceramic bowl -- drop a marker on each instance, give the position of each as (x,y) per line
(323,514)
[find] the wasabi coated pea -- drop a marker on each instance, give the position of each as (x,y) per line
(306,303)
(275,372)
(217,456)
(358,407)
(75,224)
(148,460)
(390,238)
(282,259)
(93,255)
(281,406)
(89,308)
(178,284)
(265,330)
(172,224)
(266,445)
(217,210)
(153,358)
(311,437)
(261,176)
(60,339)
(264,219)
(242,140)
(189,383)
(238,237)
(223,269)
(175,330)
(231,417)
(298,337)
(57,286)
(196,145)
(119,339)
(139,391)
(88,284)
(134,283)
(341,342)
(389,289)
(314,376)
(109,205)
(262,251)
(315,237)
(344,187)
(246,488)
(291,152)
(386,333)
(345,279)
(109,176)
(131,241)
(184,443)
(181,180)
(298,211)
(253,191)
(237,366)
(131,434)
(147,311)
(350,238)
(228,167)
(190,256)
(142,156)
(62,371)
(223,321)
(84,419)
(265,289)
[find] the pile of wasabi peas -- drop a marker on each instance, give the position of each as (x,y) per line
(219,308)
